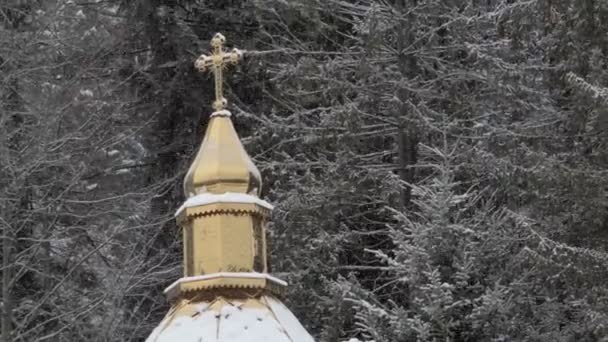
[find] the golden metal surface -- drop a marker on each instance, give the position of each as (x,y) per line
(225,248)
(215,63)
(223,236)
(222,164)
(250,209)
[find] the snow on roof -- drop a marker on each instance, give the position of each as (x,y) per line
(251,275)
(228,197)
(262,319)
(221,113)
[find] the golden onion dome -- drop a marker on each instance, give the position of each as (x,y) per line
(226,293)
(222,165)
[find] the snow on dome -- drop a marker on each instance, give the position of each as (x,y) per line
(221,113)
(228,197)
(250,275)
(230,320)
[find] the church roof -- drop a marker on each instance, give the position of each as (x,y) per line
(226,293)
(262,318)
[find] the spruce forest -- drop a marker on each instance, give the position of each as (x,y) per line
(439,168)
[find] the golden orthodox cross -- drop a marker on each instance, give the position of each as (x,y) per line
(216,63)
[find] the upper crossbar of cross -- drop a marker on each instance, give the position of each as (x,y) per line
(216,62)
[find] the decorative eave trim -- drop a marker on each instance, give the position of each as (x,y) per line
(228,197)
(225,280)
(210,210)
(242,275)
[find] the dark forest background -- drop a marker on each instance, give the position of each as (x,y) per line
(439,167)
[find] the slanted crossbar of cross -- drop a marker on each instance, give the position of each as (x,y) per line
(215,63)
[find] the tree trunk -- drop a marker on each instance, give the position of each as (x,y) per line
(406,141)
(6,282)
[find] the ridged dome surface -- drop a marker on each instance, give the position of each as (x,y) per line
(261,319)
(222,164)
